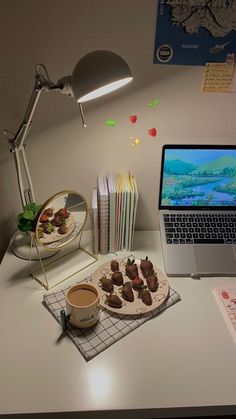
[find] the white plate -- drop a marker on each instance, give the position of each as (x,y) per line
(137,306)
(55,236)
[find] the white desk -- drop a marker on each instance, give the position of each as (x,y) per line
(181,363)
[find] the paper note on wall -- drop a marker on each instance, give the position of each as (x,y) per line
(218,77)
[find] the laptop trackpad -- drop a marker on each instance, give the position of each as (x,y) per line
(219,259)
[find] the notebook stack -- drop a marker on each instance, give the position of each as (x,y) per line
(112,211)
(95,221)
(117,207)
(103,214)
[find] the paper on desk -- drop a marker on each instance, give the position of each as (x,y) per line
(227,302)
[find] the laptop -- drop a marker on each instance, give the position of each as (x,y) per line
(197,209)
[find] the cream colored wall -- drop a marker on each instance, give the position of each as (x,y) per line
(73,156)
(61,153)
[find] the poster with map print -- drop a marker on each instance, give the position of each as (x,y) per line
(194,32)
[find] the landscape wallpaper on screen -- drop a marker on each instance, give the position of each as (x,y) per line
(199,177)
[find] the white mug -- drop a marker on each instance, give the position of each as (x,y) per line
(82,305)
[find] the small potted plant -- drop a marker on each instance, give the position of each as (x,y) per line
(27,220)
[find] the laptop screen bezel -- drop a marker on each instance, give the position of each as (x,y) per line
(192,207)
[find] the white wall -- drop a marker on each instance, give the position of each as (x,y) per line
(61,153)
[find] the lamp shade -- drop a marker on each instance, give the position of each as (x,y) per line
(98,73)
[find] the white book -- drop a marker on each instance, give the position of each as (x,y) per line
(94,208)
(122,204)
(118,211)
(133,215)
(112,211)
(123,211)
(127,216)
(131,211)
(103,214)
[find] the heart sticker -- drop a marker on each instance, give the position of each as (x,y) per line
(133,118)
(152,132)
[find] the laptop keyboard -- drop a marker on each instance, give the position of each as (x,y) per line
(182,228)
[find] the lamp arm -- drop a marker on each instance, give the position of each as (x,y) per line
(18,148)
(26,194)
(16,140)
(41,83)
(24,128)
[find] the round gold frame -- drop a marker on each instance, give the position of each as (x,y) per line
(46,203)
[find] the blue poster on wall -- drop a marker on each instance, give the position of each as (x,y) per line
(194,32)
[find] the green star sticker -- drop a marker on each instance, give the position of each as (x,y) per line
(111,122)
(153,103)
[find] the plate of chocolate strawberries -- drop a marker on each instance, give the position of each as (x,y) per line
(131,286)
(55,225)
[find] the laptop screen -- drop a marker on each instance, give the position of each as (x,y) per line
(198,176)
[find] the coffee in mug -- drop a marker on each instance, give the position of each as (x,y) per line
(82,305)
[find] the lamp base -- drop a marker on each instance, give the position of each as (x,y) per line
(21,248)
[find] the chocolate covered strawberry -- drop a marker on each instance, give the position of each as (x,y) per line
(127,292)
(152,283)
(47,227)
(57,221)
(145,296)
(131,269)
(137,283)
(43,218)
(107,284)
(114,266)
(62,229)
(113,301)
(146,267)
(117,278)
(48,211)
(63,213)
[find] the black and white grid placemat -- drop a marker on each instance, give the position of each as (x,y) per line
(111,327)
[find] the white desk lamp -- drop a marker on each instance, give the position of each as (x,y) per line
(96,74)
